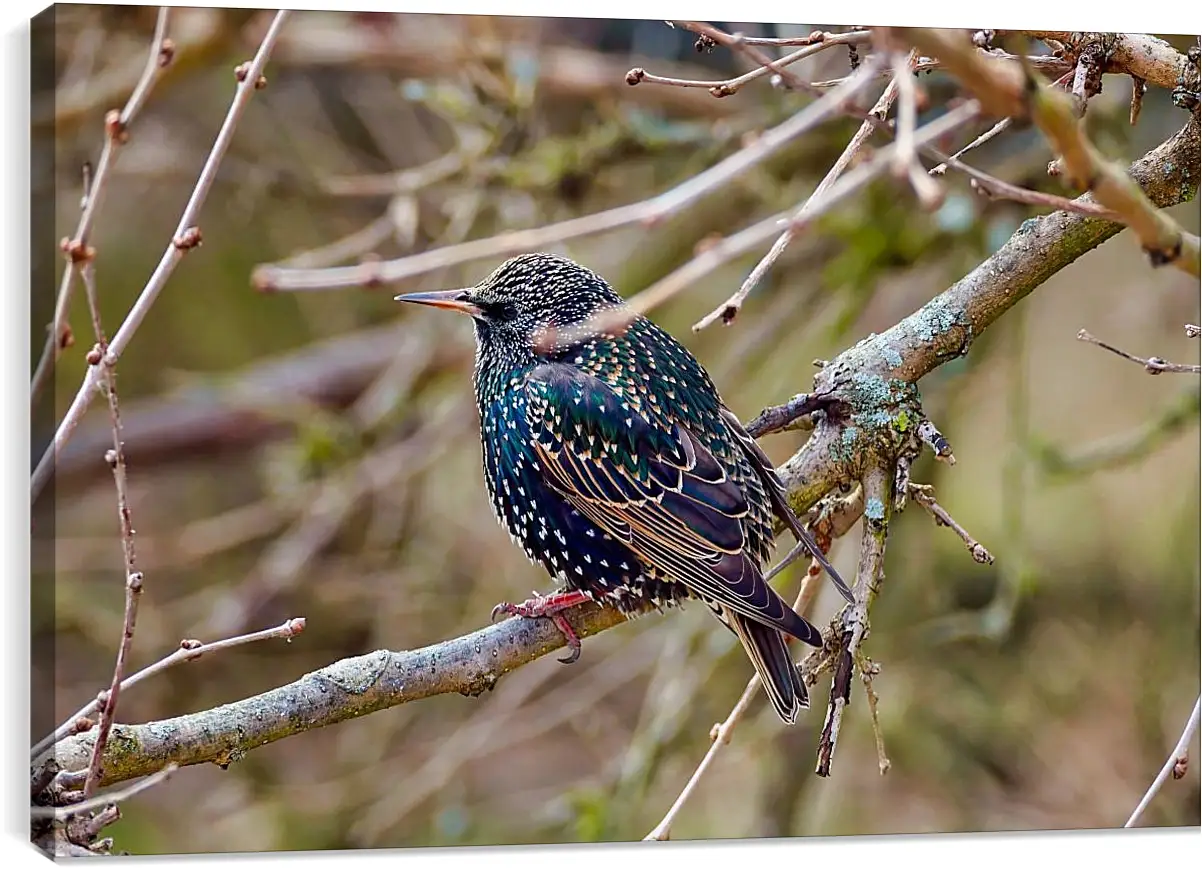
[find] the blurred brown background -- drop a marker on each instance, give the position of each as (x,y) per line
(316,454)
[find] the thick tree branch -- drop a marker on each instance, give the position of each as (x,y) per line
(1139,54)
(344,690)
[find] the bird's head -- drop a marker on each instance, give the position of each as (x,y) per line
(534,303)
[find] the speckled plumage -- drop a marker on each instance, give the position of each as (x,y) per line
(612,462)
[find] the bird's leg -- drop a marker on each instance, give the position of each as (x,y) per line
(551,607)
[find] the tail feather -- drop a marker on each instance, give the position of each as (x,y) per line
(769,654)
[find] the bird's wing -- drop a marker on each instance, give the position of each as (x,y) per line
(659,491)
(780,504)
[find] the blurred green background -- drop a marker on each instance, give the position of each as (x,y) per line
(316,454)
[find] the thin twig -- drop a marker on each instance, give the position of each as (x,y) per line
(112,798)
(923,494)
(877,484)
(133,577)
(868,671)
(1000,127)
(838,190)
(815,37)
(273,278)
(76,248)
(905,157)
(362,241)
(728,310)
(719,737)
(189,650)
(186,237)
(1177,760)
(107,701)
(728,87)
(1153,365)
(999,189)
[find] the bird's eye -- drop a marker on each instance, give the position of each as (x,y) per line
(500,311)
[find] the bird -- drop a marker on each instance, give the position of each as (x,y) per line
(612,461)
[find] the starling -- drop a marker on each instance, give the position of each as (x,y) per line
(612,462)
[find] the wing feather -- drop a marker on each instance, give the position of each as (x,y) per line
(780,503)
(661,491)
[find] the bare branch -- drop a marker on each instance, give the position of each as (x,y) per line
(186,237)
(837,190)
(1138,54)
(905,158)
(76,248)
(1006,89)
(924,495)
(189,650)
(999,189)
(273,278)
(108,700)
(878,498)
(344,690)
(113,798)
(728,87)
(1153,365)
(1177,760)
(133,577)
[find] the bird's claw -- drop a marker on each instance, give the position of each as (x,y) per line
(547,607)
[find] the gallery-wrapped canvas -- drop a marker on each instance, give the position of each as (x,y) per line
(492,430)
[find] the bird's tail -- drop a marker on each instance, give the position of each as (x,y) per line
(769,654)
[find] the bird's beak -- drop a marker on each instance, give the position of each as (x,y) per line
(449,299)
